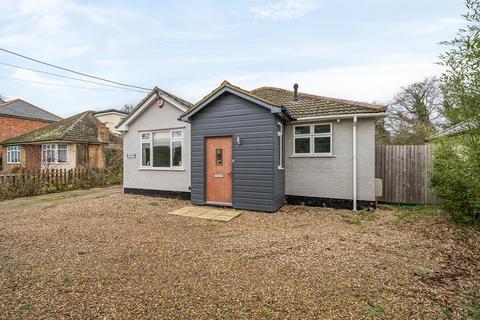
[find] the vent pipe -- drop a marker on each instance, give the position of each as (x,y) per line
(295,92)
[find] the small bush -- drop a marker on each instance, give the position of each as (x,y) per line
(455,179)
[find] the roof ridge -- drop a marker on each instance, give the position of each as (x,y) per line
(80,117)
(346,101)
(7,103)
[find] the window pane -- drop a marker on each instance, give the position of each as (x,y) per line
(145,136)
(62,155)
(145,154)
(161,149)
(62,147)
(177,153)
(176,134)
(322,145)
(219,157)
(302,130)
(322,128)
(280,153)
(302,145)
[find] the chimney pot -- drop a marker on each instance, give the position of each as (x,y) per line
(295,92)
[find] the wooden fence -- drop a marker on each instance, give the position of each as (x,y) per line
(404,170)
(46,177)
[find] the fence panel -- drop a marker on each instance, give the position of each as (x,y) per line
(404,170)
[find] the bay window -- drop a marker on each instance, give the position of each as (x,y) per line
(54,153)
(162,149)
(13,154)
(312,139)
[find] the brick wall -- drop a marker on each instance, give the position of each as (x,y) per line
(12,127)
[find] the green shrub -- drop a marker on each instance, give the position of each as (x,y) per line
(455,178)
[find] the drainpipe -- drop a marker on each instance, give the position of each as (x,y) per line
(355,163)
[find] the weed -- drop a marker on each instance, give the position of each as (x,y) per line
(82,253)
(267,310)
(25,308)
(69,278)
(374,310)
(155,204)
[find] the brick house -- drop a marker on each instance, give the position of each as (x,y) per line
(18,117)
(74,142)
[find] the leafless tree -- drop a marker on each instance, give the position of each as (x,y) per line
(416,112)
(2,99)
(127,107)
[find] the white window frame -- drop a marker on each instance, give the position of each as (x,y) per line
(312,135)
(11,151)
(55,150)
(280,147)
(172,139)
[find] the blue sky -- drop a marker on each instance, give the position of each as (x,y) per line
(354,49)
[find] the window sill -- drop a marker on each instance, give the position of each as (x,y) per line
(13,162)
(280,168)
(312,156)
(160,169)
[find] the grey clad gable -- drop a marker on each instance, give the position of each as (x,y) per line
(254,176)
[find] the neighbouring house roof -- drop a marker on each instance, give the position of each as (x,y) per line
(307,105)
(228,87)
(22,109)
(109,111)
(454,130)
(140,107)
(82,127)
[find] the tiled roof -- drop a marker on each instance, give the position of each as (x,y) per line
(82,127)
(309,105)
(22,109)
(226,84)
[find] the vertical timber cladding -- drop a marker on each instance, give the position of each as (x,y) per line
(404,170)
(254,176)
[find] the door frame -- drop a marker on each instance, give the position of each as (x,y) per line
(222,204)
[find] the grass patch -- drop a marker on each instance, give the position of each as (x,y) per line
(413,213)
(375,310)
(361,217)
(25,308)
(267,310)
(69,278)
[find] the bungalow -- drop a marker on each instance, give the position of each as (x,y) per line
(253,149)
(18,116)
(74,142)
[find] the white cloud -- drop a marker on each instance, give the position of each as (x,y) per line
(374,82)
(285,9)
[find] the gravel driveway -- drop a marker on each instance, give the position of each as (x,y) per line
(123,256)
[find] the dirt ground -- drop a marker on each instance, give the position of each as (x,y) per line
(124,257)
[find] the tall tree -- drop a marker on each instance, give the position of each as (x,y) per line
(416,112)
(456,166)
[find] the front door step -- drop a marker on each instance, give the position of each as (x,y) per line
(206,213)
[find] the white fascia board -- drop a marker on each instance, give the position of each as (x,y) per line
(132,117)
(344,116)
